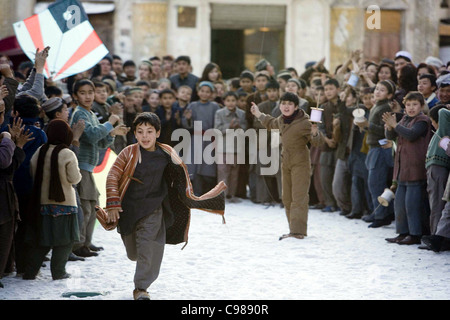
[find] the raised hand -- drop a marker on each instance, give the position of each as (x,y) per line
(3,92)
(16,128)
(23,137)
(78,129)
(255,110)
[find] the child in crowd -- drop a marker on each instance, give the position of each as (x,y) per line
(100,107)
(228,120)
(163,83)
(54,205)
(343,124)
(184,94)
(149,196)
(26,107)
(246,82)
(203,112)
(413,134)
(153,101)
(55,108)
(437,164)
(295,86)
(243,168)
(360,195)
(328,152)
(211,72)
(129,70)
(296,132)
(130,111)
(440,240)
(11,157)
(315,151)
(282,79)
(379,158)
(258,96)
(259,191)
(95,136)
(427,87)
(184,75)
(145,70)
(221,88)
(169,115)
(242,100)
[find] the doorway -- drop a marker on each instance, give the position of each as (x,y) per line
(241,35)
(237,50)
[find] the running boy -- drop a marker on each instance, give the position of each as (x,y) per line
(149,189)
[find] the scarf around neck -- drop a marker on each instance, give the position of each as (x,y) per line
(289,119)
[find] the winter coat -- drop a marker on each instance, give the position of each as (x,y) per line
(69,174)
(23,182)
(294,137)
(8,199)
(180,200)
(409,161)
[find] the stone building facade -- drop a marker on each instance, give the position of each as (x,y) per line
(234,33)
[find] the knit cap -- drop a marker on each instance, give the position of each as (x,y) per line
(247,74)
(208,84)
(261,65)
(52,104)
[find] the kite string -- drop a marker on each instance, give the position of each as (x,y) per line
(264,33)
(56,58)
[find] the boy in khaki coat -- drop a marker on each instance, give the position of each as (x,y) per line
(296,132)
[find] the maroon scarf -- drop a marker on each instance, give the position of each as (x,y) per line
(289,119)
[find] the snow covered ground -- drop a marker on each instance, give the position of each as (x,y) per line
(244,260)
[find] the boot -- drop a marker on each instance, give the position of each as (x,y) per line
(140,294)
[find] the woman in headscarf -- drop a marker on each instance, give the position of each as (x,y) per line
(53,207)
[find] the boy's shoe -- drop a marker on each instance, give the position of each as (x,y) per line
(27,276)
(353,215)
(380,222)
(95,248)
(74,257)
(397,239)
(292,235)
(85,252)
(317,206)
(433,242)
(329,209)
(140,294)
(410,240)
(62,277)
(368,218)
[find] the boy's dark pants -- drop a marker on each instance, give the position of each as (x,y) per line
(327,167)
(146,246)
(436,181)
(60,255)
(88,194)
(6,244)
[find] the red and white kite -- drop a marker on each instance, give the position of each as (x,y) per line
(65,28)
